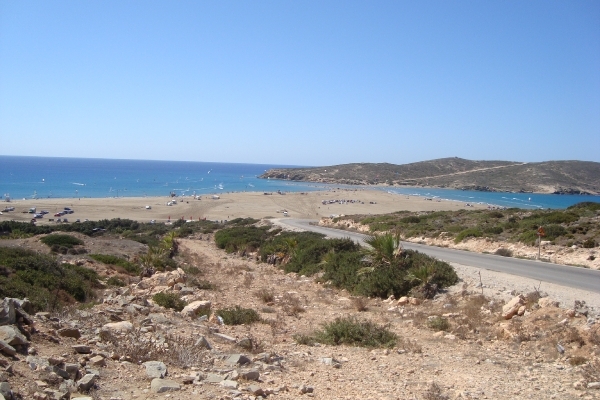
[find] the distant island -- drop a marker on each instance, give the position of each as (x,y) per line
(558,177)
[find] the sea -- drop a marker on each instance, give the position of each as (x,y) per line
(24,177)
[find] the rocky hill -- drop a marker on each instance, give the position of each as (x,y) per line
(561,177)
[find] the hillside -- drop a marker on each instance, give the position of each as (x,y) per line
(568,177)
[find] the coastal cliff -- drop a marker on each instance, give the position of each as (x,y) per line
(558,177)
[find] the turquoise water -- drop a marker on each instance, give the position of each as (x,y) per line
(42,177)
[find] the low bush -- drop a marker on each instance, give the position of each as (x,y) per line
(266,295)
(589,243)
(47,283)
(169,300)
(353,332)
(471,232)
(238,315)
(115,281)
(438,323)
(118,261)
(504,252)
(62,240)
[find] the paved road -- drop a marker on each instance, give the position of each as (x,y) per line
(575,277)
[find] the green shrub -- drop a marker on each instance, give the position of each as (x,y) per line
(115,281)
(238,315)
(412,219)
(438,323)
(247,238)
(504,252)
(43,280)
(589,243)
(169,300)
(118,261)
(471,232)
(62,240)
(201,284)
(493,230)
(353,332)
(554,231)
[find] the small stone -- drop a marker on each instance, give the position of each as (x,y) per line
(196,308)
(246,344)
(256,390)
(97,361)
(511,308)
(69,332)
(118,327)
(225,337)
(229,384)
(164,385)
(86,383)
(237,359)
(593,385)
(305,389)
(214,378)
(7,348)
(202,342)
(155,369)
(82,349)
(252,375)
(11,335)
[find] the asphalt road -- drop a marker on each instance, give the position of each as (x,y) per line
(575,277)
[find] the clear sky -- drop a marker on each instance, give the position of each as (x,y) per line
(301,82)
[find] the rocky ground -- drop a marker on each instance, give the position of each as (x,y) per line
(127,347)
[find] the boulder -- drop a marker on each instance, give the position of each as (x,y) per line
(7,348)
(69,332)
(511,308)
(155,369)
(252,375)
(5,390)
(256,390)
(163,385)
(202,342)
(86,383)
(403,301)
(196,308)
(11,335)
(235,359)
(414,301)
(7,312)
(97,361)
(118,327)
(81,349)
(547,302)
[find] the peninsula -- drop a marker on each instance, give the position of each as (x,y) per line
(559,177)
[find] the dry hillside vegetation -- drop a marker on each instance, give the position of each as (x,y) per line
(572,236)
(458,173)
(214,324)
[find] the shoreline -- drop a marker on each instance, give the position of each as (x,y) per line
(304,205)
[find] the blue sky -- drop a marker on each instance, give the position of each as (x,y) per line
(303,83)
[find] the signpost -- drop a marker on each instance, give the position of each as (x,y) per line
(540,233)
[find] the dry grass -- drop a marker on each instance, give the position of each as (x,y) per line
(174,350)
(291,305)
(265,294)
(435,392)
(248,279)
(360,304)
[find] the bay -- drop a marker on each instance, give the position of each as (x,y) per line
(57,177)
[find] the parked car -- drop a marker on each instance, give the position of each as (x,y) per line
(58,214)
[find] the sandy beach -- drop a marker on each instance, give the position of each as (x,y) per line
(229,206)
